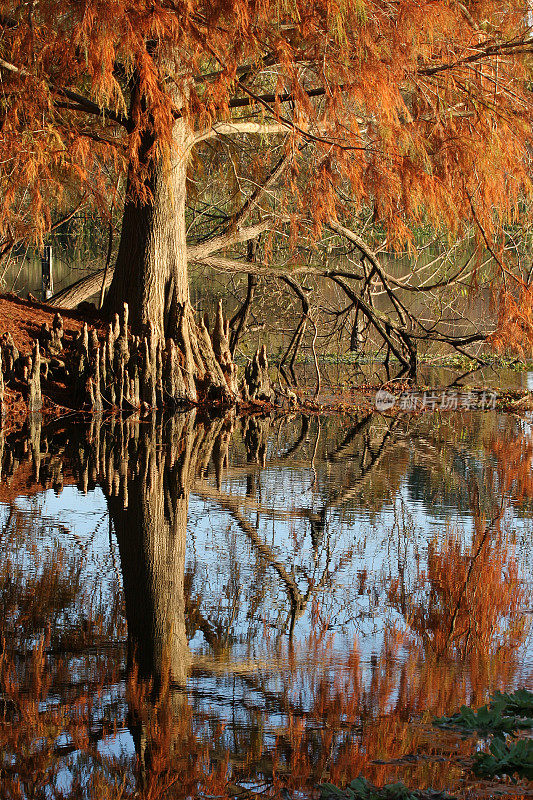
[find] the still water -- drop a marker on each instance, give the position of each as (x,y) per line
(229,607)
(23,275)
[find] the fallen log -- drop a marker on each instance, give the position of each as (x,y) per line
(79,291)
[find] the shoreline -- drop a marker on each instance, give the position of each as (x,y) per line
(26,322)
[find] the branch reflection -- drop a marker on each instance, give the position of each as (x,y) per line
(286,619)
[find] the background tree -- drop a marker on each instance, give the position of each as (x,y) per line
(419,112)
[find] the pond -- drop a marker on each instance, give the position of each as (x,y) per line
(237,607)
(23,274)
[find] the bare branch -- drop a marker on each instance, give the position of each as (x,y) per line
(518,46)
(240,128)
(372,257)
(258,193)
(200,251)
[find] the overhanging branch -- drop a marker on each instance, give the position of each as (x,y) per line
(83,103)
(240,128)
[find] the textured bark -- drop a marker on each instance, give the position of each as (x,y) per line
(80,291)
(2,409)
(186,331)
(151,269)
(256,383)
(34,382)
(10,354)
(151,277)
(214,371)
(95,396)
(149,373)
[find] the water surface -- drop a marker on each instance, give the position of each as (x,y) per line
(213,606)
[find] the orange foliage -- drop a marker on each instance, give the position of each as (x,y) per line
(420,107)
(468,592)
(515,455)
(515,321)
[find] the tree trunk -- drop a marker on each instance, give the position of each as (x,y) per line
(151,270)
(151,277)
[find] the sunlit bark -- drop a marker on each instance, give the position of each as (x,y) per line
(151,270)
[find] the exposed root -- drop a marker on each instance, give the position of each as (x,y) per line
(125,372)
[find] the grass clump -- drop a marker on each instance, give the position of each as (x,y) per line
(487,719)
(361,789)
(506,759)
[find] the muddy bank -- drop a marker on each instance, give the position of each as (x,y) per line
(22,321)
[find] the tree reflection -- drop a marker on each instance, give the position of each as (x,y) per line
(149,517)
(268,697)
